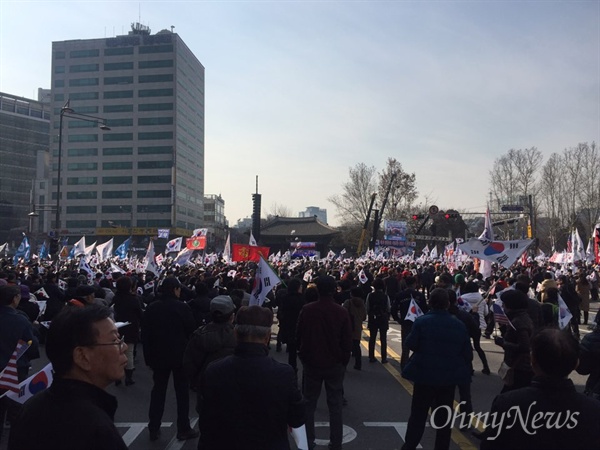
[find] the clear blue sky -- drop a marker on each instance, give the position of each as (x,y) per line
(298,92)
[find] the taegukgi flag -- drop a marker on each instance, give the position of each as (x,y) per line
(266,279)
(504,253)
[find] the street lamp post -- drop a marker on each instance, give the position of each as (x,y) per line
(67,111)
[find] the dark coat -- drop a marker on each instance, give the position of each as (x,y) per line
(128,308)
(443,352)
(249,400)
(324,334)
(167,325)
(69,415)
(517,341)
(589,362)
(55,302)
(288,312)
(547,396)
(15,326)
(358,313)
(201,309)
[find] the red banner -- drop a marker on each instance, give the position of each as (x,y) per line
(196,243)
(245,252)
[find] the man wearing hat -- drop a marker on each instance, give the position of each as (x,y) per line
(210,342)
(84,295)
(249,399)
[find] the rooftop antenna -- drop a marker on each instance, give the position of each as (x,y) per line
(257,184)
(172,28)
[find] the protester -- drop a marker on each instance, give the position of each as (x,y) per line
(356,307)
(441,361)
(75,412)
(128,309)
(291,304)
(403,301)
(378,308)
(249,399)
(555,415)
(324,339)
(167,325)
(589,363)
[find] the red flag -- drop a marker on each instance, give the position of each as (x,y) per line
(245,252)
(8,377)
(196,243)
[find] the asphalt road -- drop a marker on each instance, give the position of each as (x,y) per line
(375,418)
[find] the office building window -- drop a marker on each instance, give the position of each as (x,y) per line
(118,51)
(84,109)
(86,209)
(156,107)
(160,78)
(84,53)
(59,83)
(59,55)
(82,195)
(82,152)
(160,150)
(114,123)
(59,69)
(83,138)
(117,137)
(152,135)
(155,121)
(154,179)
(121,165)
(116,151)
(84,96)
(154,164)
(165,48)
(118,94)
(74,181)
(82,166)
(154,194)
(155,93)
(118,66)
(81,224)
(81,124)
(118,80)
(118,209)
(117,180)
(77,82)
(117,108)
(155,64)
(116,194)
(77,68)
(153,208)
(59,97)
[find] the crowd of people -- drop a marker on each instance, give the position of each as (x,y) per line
(196,324)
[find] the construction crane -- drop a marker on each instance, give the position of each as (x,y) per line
(378,217)
(363,233)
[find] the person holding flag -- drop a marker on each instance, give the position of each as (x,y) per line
(516,366)
(14,327)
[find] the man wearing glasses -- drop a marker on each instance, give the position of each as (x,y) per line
(75,412)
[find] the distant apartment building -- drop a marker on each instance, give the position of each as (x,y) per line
(312,211)
(147,171)
(24,138)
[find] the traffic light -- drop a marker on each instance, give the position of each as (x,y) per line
(451,216)
(418,216)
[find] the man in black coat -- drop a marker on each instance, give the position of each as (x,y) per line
(249,399)
(167,324)
(554,415)
(75,412)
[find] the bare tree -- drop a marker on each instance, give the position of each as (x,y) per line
(281,210)
(403,191)
(352,205)
(552,195)
(515,174)
(589,187)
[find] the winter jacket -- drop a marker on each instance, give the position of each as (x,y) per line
(356,308)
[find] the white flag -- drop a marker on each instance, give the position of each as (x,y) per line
(174,245)
(434,253)
(32,385)
(149,261)
(83,265)
(183,257)
(41,293)
(115,269)
(200,232)
(564,315)
(485,266)
(578,249)
(503,253)
(362,276)
(307,276)
(413,311)
(105,250)
(426,250)
(252,240)
(88,251)
(79,247)
(227,249)
(265,280)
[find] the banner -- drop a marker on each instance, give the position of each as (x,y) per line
(196,243)
(394,230)
(244,252)
(504,253)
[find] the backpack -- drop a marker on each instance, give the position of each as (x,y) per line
(377,304)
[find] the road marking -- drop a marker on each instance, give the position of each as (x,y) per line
(174,444)
(348,434)
(458,437)
(135,429)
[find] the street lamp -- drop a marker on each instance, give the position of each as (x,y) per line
(67,111)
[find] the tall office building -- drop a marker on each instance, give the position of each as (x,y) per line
(24,137)
(147,171)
